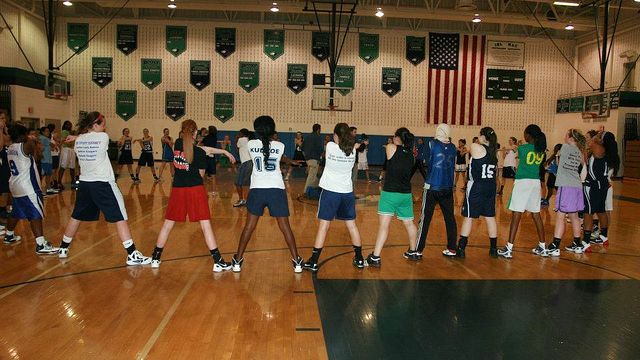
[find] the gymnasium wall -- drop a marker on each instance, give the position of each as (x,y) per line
(31,34)
(548,76)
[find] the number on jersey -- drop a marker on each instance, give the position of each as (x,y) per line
(271,164)
(488,171)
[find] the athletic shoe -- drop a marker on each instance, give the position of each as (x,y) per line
(297,264)
(221,266)
(544,202)
(374,262)
(552,252)
(63,253)
(310,265)
(136,258)
(160,179)
(595,233)
(586,247)
(448,252)
(605,240)
(237,264)
(240,202)
(493,252)
(8,239)
(574,248)
(51,191)
(155,263)
(46,248)
(358,262)
(539,250)
(505,253)
(412,255)
(286,178)
(460,253)
(137,181)
(214,193)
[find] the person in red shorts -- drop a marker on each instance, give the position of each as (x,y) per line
(188,196)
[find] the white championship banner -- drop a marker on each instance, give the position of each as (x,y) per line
(505,53)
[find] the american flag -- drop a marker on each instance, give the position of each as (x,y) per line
(456,74)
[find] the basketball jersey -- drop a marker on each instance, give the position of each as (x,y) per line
(147,146)
(398,176)
(481,170)
(530,161)
(266,175)
(166,148)
(510,158)
(126,146)
(440,165)
(597,171)
(362,156)
(460,159)
(24,178)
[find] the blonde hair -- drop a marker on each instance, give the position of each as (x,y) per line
(189,127)
(577,135)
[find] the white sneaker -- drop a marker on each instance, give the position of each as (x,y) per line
(539,250)
(221,266)
(297,264)
(505,253)
(240,202)
(586,247)
(46,248)
(552,252)
(63,253)
(155,263)
(136,258)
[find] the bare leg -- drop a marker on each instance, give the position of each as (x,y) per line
(353,231)
(130,167)
(588,221)
(36,227)
(559,229)
(492,227)
(515,224)
(72,228)
(465,228)
(119,170)
(285,227)
(161,169)
(138,171)
(123,230)
(412,231)
(249,227)
(240,191)
(214,183)
(575,224)
(163,236)
(537,221)
(205,225)
(323,227)
(383,233)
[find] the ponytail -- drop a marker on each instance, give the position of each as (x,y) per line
(265,127)
(347,140)
(576,135)
(538,137)
(189,127)
(492,139)
(611,151)
(406,137)
(92,118)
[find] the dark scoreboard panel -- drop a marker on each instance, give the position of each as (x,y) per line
(505,84)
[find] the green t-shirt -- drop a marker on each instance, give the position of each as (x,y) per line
(529,166)
(63,136)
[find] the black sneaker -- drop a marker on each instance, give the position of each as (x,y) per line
(8,239)
(46,248)
(297,264)
(221,266)
(493,252)
(310,265)
(373,261)
(358,262)
(460,253)
(412,255)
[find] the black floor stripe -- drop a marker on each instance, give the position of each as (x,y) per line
(307,329)
(627,198)
(303,292)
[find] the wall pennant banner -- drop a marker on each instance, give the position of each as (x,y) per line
(369,47)
(127,38)
(126,103)
(297,77)
(151,72)
(249,75)
(77,37)
(176,39)
(415,49)
(345,77)
(391,81)
(274,43)
(320,45)
(225,41)
(200,73)
(102,71)
(174,104)
(223,105)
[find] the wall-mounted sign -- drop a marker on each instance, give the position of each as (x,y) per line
(200,73)
(127,38)
(225,41)
(320,45)
(176,39)
(391,81)
(223,105)
(505,53)
(175,104)
(77,37)
(369,47)
(249,75)
(297,77)
(126,103)
(151,72)
(102,71)
(345,76)
(415,49)
(273,43)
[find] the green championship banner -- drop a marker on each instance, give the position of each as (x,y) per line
(369,46)
(102,71)
(297,77)
(576,104)
(345,77)
(223,106)
(225,41)
(415,49)
(174,104)
(249,75)
(562,106)
(274,43)
(200,73)
(127,38)
(151,72)
(126,103)
(77,37)
(391,81)
(176,39)
(320,45)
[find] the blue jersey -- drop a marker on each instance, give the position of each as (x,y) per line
(441,161)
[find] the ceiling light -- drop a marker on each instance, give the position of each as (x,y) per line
(476,18)
(67,3)
(172,6)
(379,13)
(569,27)
(566,3)
(275,7)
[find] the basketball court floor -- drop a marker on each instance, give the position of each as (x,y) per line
(92,305)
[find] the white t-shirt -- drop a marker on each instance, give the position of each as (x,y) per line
(54,150)
(510,158)
(24,178)
(266,176)
(336,176)
(243,149)
(93,158)
(362,156)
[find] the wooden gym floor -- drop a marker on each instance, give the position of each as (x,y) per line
(93,306)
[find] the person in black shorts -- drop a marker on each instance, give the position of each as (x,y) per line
(211,140)
(125,157)
(480,195)
(146,156)
(298,154)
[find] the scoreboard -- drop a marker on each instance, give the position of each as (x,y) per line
(505,84)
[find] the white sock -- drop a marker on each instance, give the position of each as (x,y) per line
(509,246)
(127,244)
(9,232)
(41,240)
(542,245)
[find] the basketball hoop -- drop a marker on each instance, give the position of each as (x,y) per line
(590,115)
(62,96)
